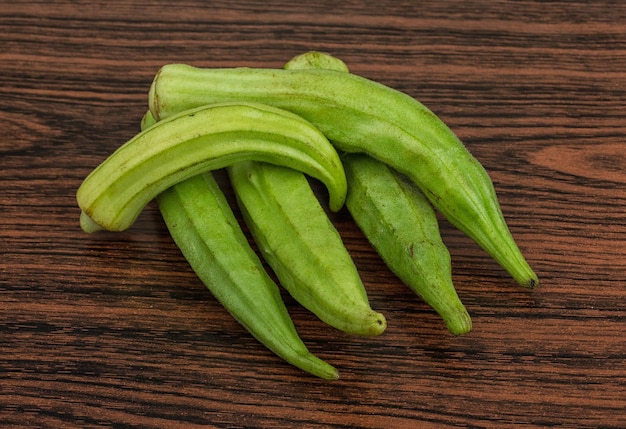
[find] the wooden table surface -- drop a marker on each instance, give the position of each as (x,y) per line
(115,330)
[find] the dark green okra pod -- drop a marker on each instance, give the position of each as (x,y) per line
(360,115)
(302,246)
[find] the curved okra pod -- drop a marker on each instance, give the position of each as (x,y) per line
(302,246)
(398,221)
(198,140)
(360,115)
(207,233)
(402,226)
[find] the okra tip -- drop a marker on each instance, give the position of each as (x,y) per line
(532,283)
(526,277)
(459,322)
(374,324)
(87,224)
(362,322)
(316,366)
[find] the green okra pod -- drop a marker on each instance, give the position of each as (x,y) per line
(360,115)
(207,233)
(299,242)
(198,140)
(402,226)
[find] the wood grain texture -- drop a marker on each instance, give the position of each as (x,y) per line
(116,331)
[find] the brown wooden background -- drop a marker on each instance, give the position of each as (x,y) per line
(116,331)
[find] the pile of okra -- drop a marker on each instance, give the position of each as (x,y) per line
(380,153)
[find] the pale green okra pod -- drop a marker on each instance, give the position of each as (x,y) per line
(197,140)
(360,115)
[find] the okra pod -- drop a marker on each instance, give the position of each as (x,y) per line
(198,140)
(299,242)
(402,226)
